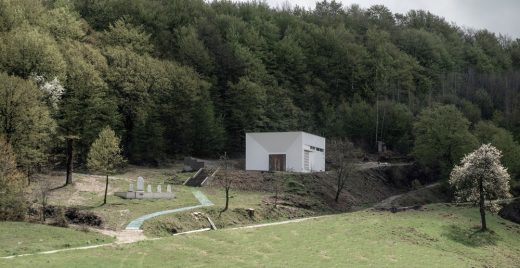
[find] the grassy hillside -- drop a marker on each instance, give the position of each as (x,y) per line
(439,236)
(86,193)
(21,237)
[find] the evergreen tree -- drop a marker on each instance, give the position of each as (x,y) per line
(207,129)
(86,105)
(105,155)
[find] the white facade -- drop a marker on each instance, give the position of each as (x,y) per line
(289,151)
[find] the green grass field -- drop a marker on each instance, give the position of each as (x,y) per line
(440,236)
(118,212)
(236,215)
(21,237)
(87,191)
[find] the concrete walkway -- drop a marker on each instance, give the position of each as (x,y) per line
(137,223)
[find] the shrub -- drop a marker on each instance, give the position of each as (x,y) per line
(77,216)
(12,207)
(60,220)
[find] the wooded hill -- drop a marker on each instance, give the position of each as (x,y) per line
(184,77)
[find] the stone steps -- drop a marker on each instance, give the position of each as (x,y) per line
(198,179)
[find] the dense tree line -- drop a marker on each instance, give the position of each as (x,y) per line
(190,77)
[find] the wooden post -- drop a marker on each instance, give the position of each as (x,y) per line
(106,189)
(250,212)
(69,161)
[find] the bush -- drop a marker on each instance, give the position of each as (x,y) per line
(12,207)
(60,220)
(77,216)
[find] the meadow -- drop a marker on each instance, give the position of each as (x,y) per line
(437,236)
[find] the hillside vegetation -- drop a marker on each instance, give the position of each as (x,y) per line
(191,77)
(439,236)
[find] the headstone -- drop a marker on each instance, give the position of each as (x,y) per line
(131,187)
(168,188)
(140,184)
(149,188)
(159,190)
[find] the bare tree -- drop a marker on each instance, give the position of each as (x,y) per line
(277,183)
(224,178)
(43,196)
(340,154)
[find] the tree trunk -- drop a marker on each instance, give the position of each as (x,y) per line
(227,200)
(482,207)
(106,190)
(276,198)
(377,119)
(69,161)
(337,195)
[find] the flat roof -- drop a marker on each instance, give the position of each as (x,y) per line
(276,132)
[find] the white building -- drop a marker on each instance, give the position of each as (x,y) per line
(285,151)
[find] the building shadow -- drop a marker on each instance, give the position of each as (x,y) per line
(471,237)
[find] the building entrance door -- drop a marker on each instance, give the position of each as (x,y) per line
(277,162)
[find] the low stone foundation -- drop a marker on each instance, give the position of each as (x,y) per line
(144,195)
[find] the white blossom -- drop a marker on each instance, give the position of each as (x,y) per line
(53,90)
(482,164)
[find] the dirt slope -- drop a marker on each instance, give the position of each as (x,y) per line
(371,184)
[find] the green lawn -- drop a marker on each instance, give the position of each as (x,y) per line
(87,191)
(236,215)
(118,212)
(440,236)
(21,237)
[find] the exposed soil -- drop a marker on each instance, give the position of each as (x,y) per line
(123,236)
(373,183)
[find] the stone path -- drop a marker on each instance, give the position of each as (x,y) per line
(137,223)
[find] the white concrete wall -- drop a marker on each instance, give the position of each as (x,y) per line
(317,158)
(260,145)
(292,144)
(257,158)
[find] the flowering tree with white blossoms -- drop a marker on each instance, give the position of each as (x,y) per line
(53,89)
(480,177)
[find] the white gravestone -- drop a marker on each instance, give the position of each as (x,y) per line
(149,188)
(131,187)
(140,184)
(168,188)
(159,188)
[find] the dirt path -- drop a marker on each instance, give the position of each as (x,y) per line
(374,164)
(123,236)
(388,202)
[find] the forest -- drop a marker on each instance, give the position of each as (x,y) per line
(189,77)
